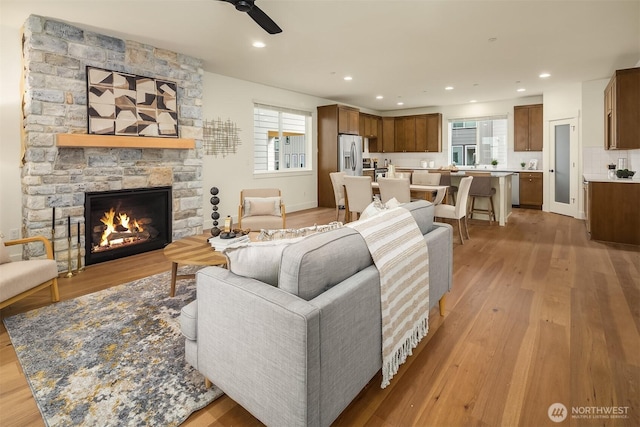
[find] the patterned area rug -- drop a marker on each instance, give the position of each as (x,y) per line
(112,358)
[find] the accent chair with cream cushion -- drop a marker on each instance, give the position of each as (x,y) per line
(261,208)
(19,279)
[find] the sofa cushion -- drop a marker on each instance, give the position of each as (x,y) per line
(258,260)
(321,261)
(4,253)
(189,320)
(257,206)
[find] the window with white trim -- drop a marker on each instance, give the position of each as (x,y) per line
(478,141)
(281,139)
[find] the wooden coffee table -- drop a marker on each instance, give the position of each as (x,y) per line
(193,250)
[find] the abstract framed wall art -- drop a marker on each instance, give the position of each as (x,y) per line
(126,104)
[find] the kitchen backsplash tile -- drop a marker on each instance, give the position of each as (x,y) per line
(596,159)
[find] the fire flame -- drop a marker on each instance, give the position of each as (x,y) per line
(122,220)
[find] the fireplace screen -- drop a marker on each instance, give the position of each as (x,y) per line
(126,222)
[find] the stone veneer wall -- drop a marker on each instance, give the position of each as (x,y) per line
(55,97)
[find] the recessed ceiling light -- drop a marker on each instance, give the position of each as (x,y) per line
(448,88)
(379,97)
(520,89)
(258,44)
(472,101)
(544,75)
(400,103)
(348,78)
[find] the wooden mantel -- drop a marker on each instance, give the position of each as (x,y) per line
(116,141)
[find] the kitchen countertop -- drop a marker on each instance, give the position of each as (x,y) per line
(481,169)
(603,177)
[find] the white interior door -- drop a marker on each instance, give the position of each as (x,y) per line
(563,178)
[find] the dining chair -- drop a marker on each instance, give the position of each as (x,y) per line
(337,180)
(358,194)
(394,187)
(458,211)
(481,188)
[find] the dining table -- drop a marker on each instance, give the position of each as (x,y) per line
(428,191)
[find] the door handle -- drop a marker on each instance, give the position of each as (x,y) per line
(551,170)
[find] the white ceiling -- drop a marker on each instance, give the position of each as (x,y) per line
(408,50)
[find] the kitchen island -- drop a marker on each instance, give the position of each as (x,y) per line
(500,180)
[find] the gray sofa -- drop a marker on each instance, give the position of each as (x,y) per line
(299,353)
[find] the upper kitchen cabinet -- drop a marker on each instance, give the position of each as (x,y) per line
(527,120)
(369,125)
(405,134)
(429,133)
(387,143)
(348,120)
(622,110)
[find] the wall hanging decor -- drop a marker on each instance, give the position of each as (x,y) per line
(220,137)
(126,104)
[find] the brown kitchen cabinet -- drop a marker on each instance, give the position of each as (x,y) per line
(348,120)
(387,144)
(368,125)
(531,190)
(429,133)
(527,133)
(612,216)
(622,110)
(332,121)
(405,134)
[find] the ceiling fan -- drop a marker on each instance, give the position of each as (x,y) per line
(256,14)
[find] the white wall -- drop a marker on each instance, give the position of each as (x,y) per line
(10,112)
(229,98)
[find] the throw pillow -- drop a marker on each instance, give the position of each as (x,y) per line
(258,260)
(254,206)
(376,207)
(4,253)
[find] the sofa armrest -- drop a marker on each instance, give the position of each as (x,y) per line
(271,334)
(440,246)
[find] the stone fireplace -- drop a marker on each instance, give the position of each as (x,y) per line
(126,222)
(55,96)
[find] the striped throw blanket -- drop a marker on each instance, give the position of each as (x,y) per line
(400,254)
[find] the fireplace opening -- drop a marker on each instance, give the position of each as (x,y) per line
(126,222)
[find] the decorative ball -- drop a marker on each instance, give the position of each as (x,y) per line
(215,200)
(215,215)
(214,191)
(215,231)
(214,208)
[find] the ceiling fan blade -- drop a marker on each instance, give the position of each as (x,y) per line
(263,20)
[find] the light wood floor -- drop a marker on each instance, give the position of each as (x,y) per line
(538,314)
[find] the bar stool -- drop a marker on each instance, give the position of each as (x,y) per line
(481,187)
(445,179)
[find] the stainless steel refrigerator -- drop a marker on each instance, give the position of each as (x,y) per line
(350,154)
